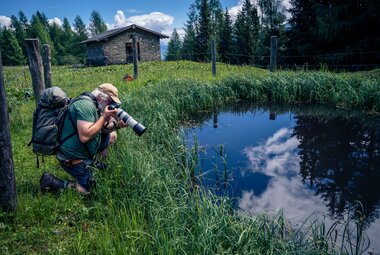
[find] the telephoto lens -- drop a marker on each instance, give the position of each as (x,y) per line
(122,115)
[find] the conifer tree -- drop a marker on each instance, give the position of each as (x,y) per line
(226,43)
(38,30)
(11,50)
(174,47)
(97,24)
(203,32)
(217,21)
(19,32)
(80,34)
(272,24)
(24,22)
(68,43)
(246,33)
(57,38)
(188,46)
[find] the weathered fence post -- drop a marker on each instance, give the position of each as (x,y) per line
(8,194)
(47,65)
(213,57)
(135,58)
(35,67)
(273,53)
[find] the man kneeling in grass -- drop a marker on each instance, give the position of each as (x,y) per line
(89,128)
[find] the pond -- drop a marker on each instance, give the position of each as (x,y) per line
(303,159)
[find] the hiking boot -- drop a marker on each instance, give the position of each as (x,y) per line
(49,182)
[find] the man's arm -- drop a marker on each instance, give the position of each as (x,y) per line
(88,130)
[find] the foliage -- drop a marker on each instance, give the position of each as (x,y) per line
(246,33)
(11,51)
(97,24)
(226,44)
(145,202)
(174,47)
(338,33)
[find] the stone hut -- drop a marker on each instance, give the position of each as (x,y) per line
(115,46)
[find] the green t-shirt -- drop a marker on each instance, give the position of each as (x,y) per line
(72,148)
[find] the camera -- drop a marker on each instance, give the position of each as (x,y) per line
(126,118)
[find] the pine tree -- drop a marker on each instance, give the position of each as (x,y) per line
(188,46)
(43,19)
(11,50)
(68,43)
(203,32)
(303,41)
(38,30)
(272,24)
(19,32)
(217,21)
(174,47)
(226,43)
(97,24)
(246,33)
(80,34)
(57,36)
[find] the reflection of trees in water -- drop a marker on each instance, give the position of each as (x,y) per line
(340,157)
(339,151)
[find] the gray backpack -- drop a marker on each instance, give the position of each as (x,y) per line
(48,120)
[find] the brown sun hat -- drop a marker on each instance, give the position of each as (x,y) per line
(110,90)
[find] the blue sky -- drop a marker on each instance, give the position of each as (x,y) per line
(161,16)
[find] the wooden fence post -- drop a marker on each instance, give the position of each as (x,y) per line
(8,194)
(47,65)
(135,58)
(273,53)
(213,57)
(35,67)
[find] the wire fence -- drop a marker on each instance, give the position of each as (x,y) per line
(284,62)
(342,61)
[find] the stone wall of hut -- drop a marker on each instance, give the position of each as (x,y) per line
(114,50)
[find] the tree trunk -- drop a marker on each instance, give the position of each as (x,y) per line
(8,194)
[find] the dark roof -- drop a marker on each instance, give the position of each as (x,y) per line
(109,33)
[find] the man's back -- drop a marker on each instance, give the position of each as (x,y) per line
(72,148)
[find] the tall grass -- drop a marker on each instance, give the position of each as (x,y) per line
(145,202)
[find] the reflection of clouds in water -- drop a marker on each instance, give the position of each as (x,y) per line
(277,157)
(374,231)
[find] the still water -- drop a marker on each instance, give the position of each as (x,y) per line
(303,159)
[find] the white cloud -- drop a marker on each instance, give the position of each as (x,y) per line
(155,21)
(5,21)
(55,20)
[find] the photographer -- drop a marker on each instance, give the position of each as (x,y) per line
(88,130)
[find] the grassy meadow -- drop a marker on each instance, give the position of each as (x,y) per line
(145,203)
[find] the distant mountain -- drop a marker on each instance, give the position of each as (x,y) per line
(164,49)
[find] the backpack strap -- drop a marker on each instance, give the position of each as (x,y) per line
(87,96)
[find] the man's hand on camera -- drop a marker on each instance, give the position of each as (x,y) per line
(121,124)
(108,114)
